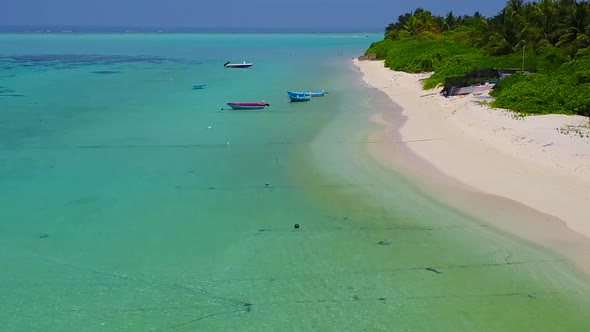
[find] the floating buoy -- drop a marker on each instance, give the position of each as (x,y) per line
(296,226)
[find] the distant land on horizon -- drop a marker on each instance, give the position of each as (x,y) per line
(136,29)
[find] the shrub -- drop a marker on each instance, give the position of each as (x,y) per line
(543,93)
(560,86)
(381,48)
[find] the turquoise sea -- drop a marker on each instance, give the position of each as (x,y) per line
(130,202)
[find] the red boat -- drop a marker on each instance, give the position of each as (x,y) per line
(248,106)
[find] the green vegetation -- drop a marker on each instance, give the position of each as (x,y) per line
(552,36)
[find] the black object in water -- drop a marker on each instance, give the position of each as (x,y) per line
(433,270)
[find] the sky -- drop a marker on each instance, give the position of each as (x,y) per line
(229,14)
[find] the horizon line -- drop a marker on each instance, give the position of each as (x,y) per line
(167,29)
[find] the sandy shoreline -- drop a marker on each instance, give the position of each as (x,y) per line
(498,166)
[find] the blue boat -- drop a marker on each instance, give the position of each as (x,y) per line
(199,86)
(299,93)
(312,93)
(318,93)
(299,96)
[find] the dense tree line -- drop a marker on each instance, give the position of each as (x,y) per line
(553,36)
(547,23)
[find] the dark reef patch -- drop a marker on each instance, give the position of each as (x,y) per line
(6,92)
(71,61)
(106,72)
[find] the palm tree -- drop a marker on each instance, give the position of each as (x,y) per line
(578,28)
(428,22)
(420,22)
(515,7)
(413,26)
(545,17)
(509,33)
(450,22)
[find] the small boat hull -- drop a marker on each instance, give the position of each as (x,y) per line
(199,86)
(237,65)
(312,93)
(299,96)
(247,106)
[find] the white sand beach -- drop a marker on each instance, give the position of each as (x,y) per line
(541,162)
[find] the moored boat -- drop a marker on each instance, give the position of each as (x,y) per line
(299,93)
(318,93)
(299,96)
(244,64)
(199,86)
(248,106)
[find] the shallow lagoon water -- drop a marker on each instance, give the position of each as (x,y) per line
(131,201)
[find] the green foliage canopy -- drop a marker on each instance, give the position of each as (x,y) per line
(551,36)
